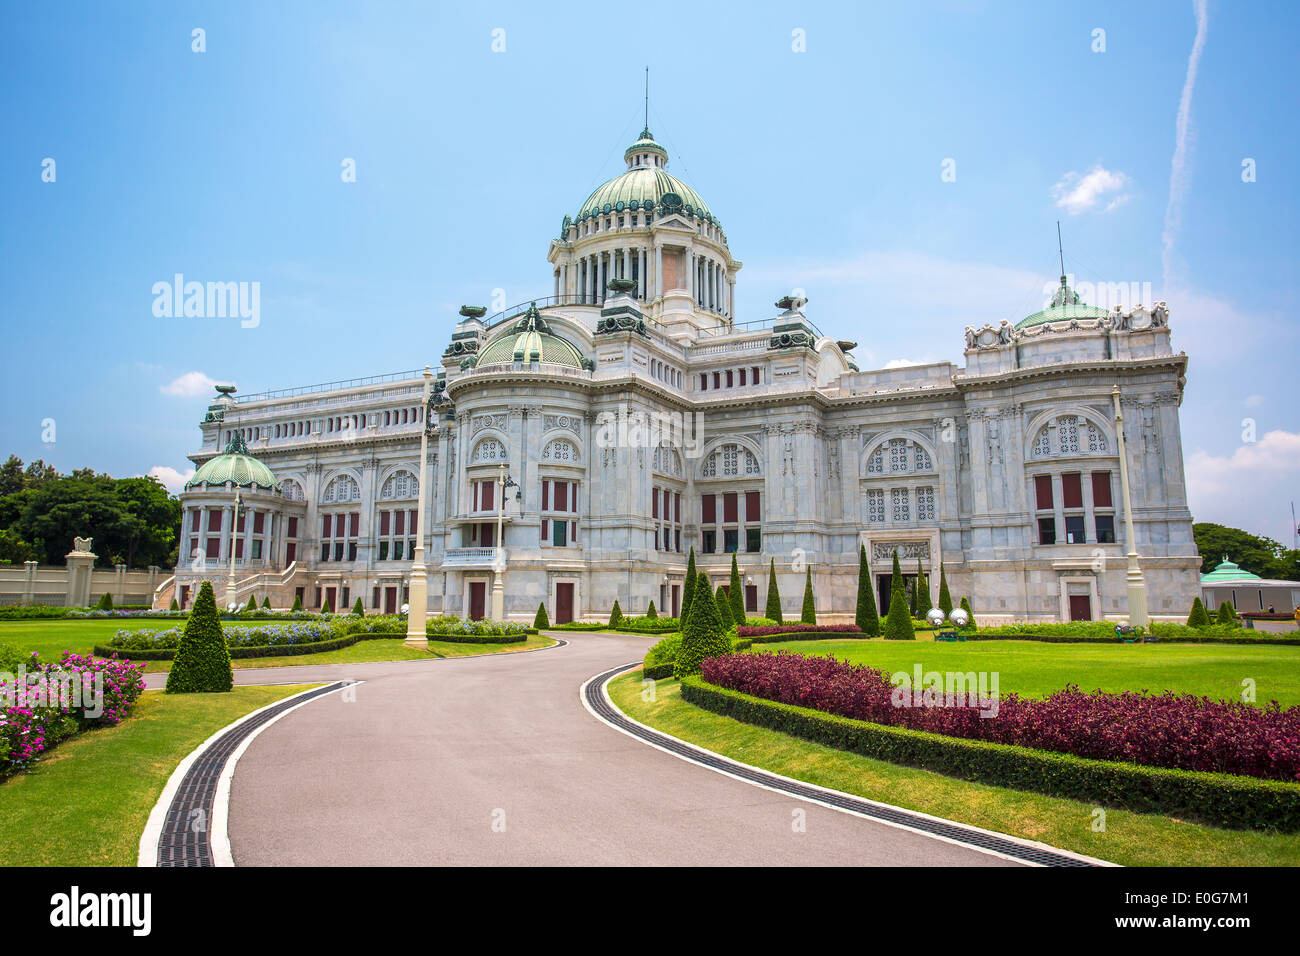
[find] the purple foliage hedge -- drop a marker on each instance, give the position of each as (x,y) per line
(1166,730)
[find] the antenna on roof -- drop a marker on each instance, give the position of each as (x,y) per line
(1060,248)
(647,97)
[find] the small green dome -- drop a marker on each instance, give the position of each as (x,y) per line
(235,466)
(644,186)
(1227,571)
(530,340)
(1065,306)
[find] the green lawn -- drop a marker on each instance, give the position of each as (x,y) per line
(87,801)
(1133,839)
(51,638)
(1036,669)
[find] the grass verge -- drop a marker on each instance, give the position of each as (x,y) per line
(1132,839)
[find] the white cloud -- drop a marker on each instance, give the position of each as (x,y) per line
(1180,172)
(1077,193)
(172,479)
(189,385)
(1253,401)
(901,363)
(1250,489)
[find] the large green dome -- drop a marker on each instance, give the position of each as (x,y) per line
(234,466)
(530,340)
(1066,305)
(644,186)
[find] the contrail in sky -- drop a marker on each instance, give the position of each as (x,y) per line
(1180,173)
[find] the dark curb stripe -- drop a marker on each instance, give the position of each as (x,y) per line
(941,828)
(179,844)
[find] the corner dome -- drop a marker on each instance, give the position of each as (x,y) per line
(646,186)
(1065,306)
(1227,571)
(234,466)
(530,340)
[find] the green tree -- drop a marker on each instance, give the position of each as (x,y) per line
(176,605)
(542,620)
(252,604)
(266,603)
(688,586)
(724,608)
(945,596)
(14,550)
(1198,617)
(809,613)
(898,622)
(650,612)
(616,615)
(202,662)
(703,635)
(297,602)
(1254,553)
(736,593)
(358,610)
(965,604)
(105,602)
(325,608)
(867,617)
(1227,613)
(773,595)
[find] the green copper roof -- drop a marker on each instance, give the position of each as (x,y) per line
(1227,571)
(530,340)
(1065,306)
(643,187)
(235,465)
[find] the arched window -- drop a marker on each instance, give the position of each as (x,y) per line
(561,451)
(730,461)
(400,484)
(489,449)
(1074,435)
(342,488)
(290,489)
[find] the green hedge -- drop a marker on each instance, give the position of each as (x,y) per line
(1067,639)
(482,638)
(658,671)
(808,636)
(579,626)
(1218,799)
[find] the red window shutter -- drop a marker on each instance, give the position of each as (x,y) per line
(729,510)
(573,496)
(677,506)
(730,380)
(755,371)
(573,532)
(293,528)
(752,509)
(214,520)
(194,520)
(354,523)
(704,382)
(708,513)
(214,547)
(488,489)
(546,496)
(383,523)
(399,522)
(1043,491)
(411,521)
(1101,489)
(259,522)
(545,526)
(742,376)
(654,503)
(561,496)
(325,526)
(1071,490)
(239,547)
(717,380)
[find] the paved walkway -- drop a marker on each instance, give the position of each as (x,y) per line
(493,760)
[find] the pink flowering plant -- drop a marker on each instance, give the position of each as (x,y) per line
(44,703)
(1161,730)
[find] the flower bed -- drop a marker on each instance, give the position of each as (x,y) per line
(1167,730)
(39,708)
(659,660)
(770,629)
(456,631)
(1103,632)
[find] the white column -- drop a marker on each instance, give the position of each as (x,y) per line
(659,270)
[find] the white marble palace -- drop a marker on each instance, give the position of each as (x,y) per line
(637,417)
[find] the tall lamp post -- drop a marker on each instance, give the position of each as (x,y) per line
(1137,589)
(504,481)
(417,612)
(234,537)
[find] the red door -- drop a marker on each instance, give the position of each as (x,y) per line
(677,600)
(1080,607)
(563,603)
(477,600)
(390,600)
(329,598)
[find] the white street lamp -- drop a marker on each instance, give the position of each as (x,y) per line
(418,603)
(1137,589)
(504,481)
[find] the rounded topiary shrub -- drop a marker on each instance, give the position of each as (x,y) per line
(202,662)
(541,620)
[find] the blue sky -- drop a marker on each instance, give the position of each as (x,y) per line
(823,165)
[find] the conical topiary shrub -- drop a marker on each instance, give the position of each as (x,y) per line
(702,633)
(724,608)
(867,617)
(651,613)
(1227,613)
(541,620)
(945,597)
(1198,617)
(616,615)
(773,595)
(176,605)
(358,610)
(266,604)
(297,602)
(970,625)
(688,586)
(202,662)
(325,608)
(252,604)
(898,622)
(737,594)
(105,602)
(809,614)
